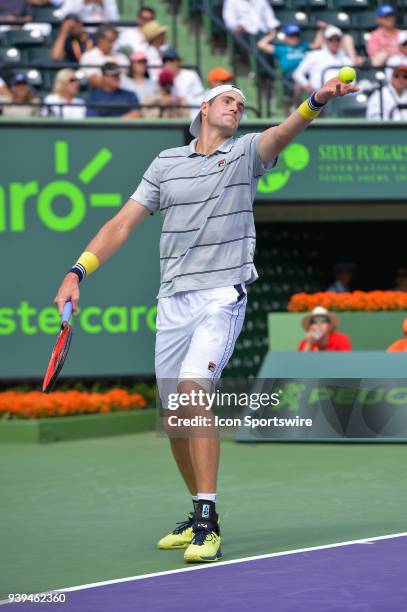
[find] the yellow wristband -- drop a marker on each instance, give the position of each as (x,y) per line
(89,262)
(306,112)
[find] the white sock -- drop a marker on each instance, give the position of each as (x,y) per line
(195,498)
(208,496)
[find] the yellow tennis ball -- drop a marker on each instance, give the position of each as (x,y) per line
(347,74)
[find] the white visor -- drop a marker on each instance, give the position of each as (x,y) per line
(195,126)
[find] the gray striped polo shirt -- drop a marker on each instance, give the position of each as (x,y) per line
(208,236)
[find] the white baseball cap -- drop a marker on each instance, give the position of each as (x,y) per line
(195,126)
(332,31)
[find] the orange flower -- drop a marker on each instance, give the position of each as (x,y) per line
(34,404)
(356,301)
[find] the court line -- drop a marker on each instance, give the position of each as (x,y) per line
(221,563)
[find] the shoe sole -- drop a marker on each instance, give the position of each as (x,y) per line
(198,559)
(172,547)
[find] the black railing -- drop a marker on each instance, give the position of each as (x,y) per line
(115,106)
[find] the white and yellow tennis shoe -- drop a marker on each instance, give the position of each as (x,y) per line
(181,537)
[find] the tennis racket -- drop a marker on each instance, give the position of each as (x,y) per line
(60,350)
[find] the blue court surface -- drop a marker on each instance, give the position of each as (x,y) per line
(365,575)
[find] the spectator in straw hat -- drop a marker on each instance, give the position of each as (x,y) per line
(400,345)
(321,326)
(155,35)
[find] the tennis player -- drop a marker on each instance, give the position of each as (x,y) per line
(205,193)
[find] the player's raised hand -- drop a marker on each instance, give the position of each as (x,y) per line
(334,88)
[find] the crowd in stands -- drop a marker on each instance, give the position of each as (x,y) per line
(115,62)
(128,72)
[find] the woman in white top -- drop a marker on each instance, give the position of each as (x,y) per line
(66,87)
(139,80)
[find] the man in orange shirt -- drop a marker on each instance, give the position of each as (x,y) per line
(321,326)
(400,345)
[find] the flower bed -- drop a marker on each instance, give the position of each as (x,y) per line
(36,405)
(372,301)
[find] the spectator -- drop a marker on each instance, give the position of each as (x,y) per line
(400,345)
(383,41)
(112,96)
(401,279)
(131,39)
(72,41)
(4,90)
(289,55)
(22,97)
(219,76)
(66,87)
(165,98)
(139,80)
(347,43)
(321,326)
(383,102)
(90,10)
(400,58)
(45,2)
(15,9)
(187,84)
(249,16)
(313,71)
(343,273)
(103,53)
(155,35)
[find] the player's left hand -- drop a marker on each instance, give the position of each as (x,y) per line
(333,89)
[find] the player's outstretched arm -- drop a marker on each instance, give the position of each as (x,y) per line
(107,241)
(273,140)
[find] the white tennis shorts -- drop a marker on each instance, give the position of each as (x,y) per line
(196,334)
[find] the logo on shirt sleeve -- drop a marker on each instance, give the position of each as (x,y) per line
(211,366)
(221,163)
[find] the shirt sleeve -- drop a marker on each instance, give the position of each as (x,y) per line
(111,11)
(256,167)
(301,345)
(373,45)
(27,9)
(342,343)
(300,74)
(148,192)
(229,16)
(92,111)
(373,106)
(133,101)
(269,17)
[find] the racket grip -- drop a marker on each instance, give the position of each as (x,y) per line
(66,313)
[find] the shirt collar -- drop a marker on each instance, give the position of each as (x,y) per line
(225,147)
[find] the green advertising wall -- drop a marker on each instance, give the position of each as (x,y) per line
(58,186)
(342,161)
(59,182)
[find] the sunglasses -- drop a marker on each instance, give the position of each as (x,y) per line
(140,61)
(319,320)
(73,80)
(335,39)
(400,75)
